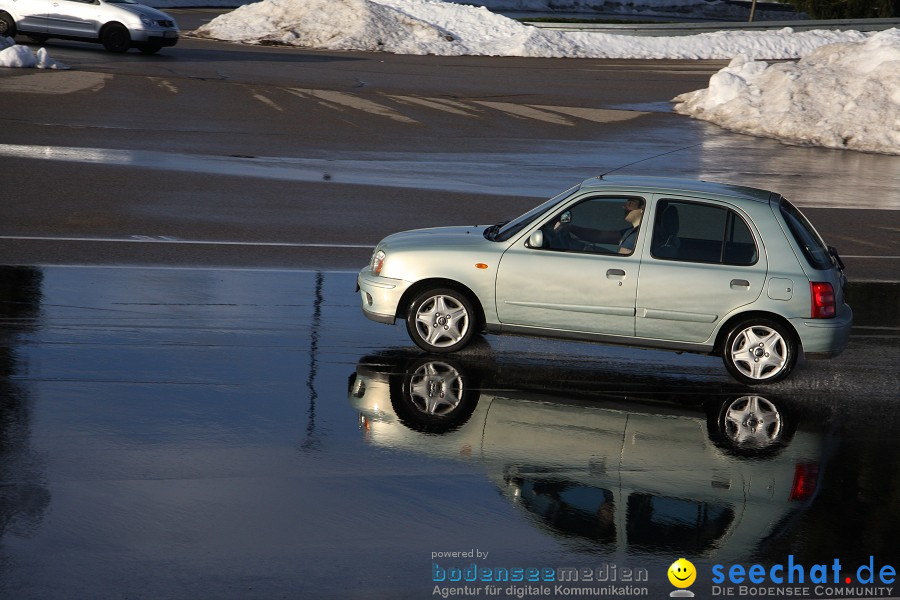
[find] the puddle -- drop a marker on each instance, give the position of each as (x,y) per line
(250,434)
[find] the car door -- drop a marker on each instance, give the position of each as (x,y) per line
(78,18)
(32,15)
(704,261)
(571,283)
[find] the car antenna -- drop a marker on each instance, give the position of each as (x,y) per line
(646,159)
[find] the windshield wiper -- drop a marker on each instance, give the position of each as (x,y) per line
(491,231)
(836,257)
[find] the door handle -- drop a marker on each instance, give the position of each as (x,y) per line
(615,274)
(739,283)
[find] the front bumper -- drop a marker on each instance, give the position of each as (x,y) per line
(825,338)
(157,37)
(380,296)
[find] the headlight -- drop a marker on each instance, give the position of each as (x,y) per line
(377,262)
(147,21)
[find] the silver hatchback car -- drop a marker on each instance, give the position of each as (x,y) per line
(672,264)
(117,24)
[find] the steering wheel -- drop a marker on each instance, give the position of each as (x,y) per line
(561,238)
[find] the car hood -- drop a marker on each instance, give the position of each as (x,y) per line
(140,9)
(436,237)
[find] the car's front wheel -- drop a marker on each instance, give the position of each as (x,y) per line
(441,320)
(7,25)
(760,351)
(115,38)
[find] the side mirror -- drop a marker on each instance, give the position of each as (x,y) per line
(536,239)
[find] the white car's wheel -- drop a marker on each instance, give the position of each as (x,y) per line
(115,38)
(7,25)
(760,351)
(441,320)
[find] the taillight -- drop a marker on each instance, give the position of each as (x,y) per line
(806,476)
(823,303)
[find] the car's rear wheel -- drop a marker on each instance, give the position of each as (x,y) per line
(441,320)
(115,38)
(7,25)
(760,351)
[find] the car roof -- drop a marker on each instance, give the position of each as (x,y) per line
(673,185)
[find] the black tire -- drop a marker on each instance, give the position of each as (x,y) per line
(7,25)
(760,351)
(115,38)
(441,320)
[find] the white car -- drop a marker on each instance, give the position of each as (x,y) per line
(117,24)
(688,266)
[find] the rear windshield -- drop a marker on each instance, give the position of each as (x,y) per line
(806,237)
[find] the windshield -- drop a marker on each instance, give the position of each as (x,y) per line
(504,231)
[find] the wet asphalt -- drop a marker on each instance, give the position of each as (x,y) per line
(205,433)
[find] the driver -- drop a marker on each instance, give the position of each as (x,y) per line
(626,238)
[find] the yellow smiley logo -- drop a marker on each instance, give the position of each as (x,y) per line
(682,573)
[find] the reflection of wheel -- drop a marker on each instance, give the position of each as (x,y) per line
(115,38)
(433,396)
(760,351)
(441,320)
(7,25)
(752,422)
(751,426)
(435,388)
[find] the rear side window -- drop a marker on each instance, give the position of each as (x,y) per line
(696,232)
(806,237)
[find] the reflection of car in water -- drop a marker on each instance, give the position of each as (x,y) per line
(677,472)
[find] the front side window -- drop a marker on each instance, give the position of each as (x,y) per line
(696,232)
(604,225)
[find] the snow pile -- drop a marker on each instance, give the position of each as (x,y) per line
(843,95)
(13,55)
(448,29)
(398,26)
